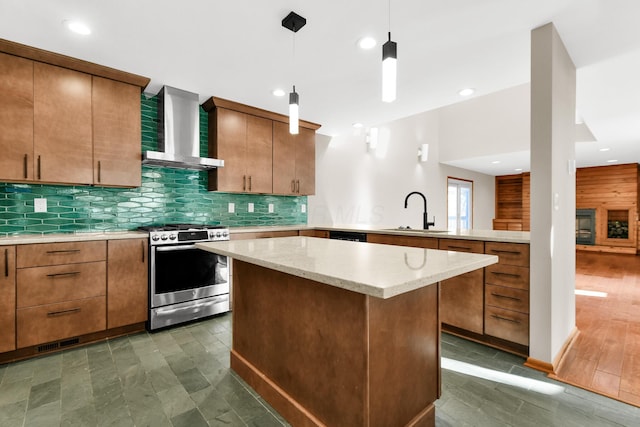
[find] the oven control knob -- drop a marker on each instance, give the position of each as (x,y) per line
(225,233)
(155,237)
(172,237)
(218,234)
(164,237)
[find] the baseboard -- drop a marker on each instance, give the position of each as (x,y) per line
(552,368)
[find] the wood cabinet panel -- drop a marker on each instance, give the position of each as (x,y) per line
(58,283)
(263,234)
(414,241)
(324,234)
(116,133)
(7,298)
(462,297)
(293,160)
(507,298)
(52,322)
(63,144)
(507,275)
(259,160)
(16,118)
(42,254)
(507,324)
(509,253)
(127,286)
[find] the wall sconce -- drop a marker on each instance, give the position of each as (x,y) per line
(423,153)
(372,139)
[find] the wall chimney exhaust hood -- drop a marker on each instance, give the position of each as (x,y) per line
(179,133)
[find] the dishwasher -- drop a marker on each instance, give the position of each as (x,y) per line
(353,236)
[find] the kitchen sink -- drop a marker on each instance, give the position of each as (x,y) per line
(415,230)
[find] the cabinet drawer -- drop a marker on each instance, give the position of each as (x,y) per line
(52,322)
(60,253)
(461,245)
(507,275)
(508,298)
(413,241)
(506,324)
(59,283)
(509,253)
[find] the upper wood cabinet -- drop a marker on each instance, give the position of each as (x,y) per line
(63,147)
(260,156)
(7,298)
(55,111)
(244,142)
(16,118)
(116,133)
(294,168)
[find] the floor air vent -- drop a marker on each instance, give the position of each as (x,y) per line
(56,345)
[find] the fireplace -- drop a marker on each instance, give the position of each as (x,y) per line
(585,226)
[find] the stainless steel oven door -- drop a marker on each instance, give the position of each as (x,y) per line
(183,273)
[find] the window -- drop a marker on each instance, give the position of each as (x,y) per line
(459,204)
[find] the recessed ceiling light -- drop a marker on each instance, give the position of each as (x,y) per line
(518,169)
(495,162)
(605,149)
(612,161)
(466,92)
(357,125)
(278,92)
(367,43)
(77,27)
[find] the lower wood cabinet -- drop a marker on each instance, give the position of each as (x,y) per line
(127,285)
(462,297)
(413,241)
(7,298)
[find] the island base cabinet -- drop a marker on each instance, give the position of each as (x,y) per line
(462,301)
(7,298)
(52,322)
(321,355)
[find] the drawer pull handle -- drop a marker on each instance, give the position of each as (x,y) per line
(500,273)
(249,182)
(71,273)
(39,170)
(495,316)
(500,251)
(26,157)
(293,185)
(67,251)
(505,296)
(6,263)
(63,312)
(244,182)
(297,185)
(142,244)
(459,247)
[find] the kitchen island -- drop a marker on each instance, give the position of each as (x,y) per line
(341,333)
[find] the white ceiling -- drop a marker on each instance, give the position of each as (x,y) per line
(239,50)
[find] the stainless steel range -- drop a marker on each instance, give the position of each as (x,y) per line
(185,283)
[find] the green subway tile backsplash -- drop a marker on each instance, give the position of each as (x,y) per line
(165,196)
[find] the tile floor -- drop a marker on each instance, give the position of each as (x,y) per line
(181,377)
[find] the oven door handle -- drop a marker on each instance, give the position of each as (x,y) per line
(175,248)
(209,303)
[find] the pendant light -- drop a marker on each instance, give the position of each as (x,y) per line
(294,22)
(389,59)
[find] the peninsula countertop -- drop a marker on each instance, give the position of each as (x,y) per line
(382,271)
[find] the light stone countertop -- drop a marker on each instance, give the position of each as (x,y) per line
(24,239)
(381,271)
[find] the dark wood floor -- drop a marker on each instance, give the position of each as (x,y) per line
(605,356)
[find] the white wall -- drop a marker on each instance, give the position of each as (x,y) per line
(355,186)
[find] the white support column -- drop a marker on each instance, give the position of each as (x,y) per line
(553,195)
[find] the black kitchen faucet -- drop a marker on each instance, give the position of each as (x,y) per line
(425,222)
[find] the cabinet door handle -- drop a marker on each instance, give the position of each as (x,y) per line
(244,182)
(39,174)
(495,316)
(298,186)
(249,182)
(505,297)
(99,171)
(142,245)
(293,185)
(71,273)
(63,312)
(65,251)
(500,273)
(6,263)
(26,157)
